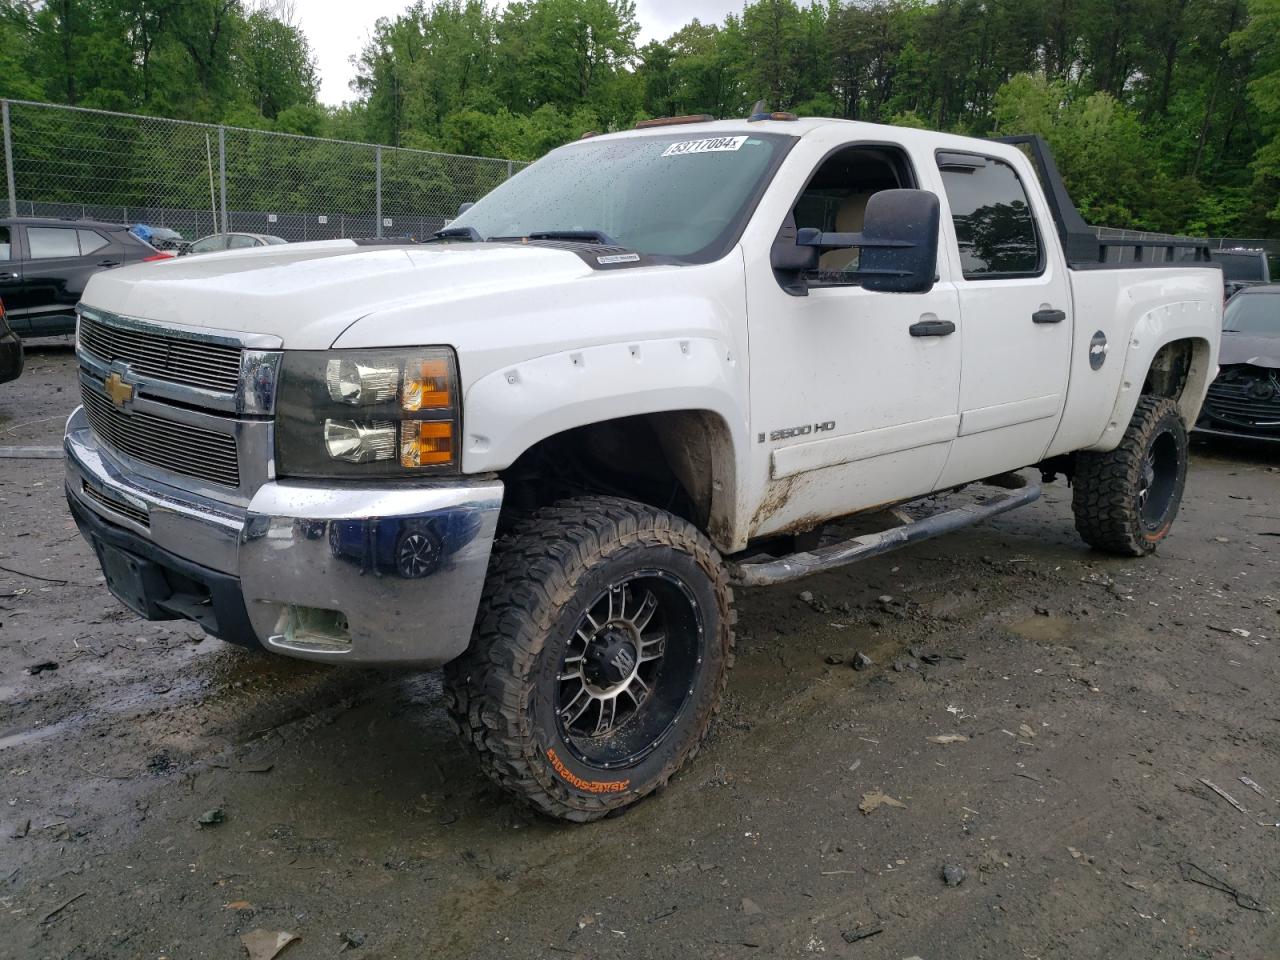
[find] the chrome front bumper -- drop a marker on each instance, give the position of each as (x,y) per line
(377,574)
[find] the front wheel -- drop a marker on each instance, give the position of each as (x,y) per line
(601,652)
(1125,500)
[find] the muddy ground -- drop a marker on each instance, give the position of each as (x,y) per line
(1094,693)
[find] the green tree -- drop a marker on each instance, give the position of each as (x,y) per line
(18,76)
(1260,39)
(564,53)
(273,66)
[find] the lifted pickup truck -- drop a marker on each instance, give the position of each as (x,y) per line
(541,449)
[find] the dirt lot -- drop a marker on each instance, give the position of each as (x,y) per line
(1094,694)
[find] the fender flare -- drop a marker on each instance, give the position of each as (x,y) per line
(1153,331)
(510,410)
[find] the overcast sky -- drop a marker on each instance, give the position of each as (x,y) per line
(338,29)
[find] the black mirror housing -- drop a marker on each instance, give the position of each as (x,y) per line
(910,218)
(898,242)
(788,256)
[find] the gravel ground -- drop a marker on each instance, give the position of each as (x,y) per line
(1084,701)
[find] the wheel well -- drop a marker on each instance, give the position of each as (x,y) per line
(1180,372)
(1170,369)
(681,461)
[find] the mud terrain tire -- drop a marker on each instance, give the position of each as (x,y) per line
(1125,500)
(556,583)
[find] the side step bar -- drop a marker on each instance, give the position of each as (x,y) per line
(763,573)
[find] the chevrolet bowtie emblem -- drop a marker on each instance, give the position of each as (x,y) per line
(118,391)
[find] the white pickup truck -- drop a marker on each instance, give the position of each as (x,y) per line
(541,448)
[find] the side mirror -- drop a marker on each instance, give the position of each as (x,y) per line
(464,207)
(899,242)
(788,256)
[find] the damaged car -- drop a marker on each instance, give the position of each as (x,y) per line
(1244,400)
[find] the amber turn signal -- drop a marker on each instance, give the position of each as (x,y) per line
(426,443)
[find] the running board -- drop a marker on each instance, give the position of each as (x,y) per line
(763,573)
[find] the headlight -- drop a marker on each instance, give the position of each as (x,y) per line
(368,413)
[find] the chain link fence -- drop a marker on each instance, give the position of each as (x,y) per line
(201,178)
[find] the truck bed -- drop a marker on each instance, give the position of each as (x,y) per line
(1085,249)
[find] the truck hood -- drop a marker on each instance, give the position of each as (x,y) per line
(308,294)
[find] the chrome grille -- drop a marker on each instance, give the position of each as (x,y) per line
(136,514)
(194,363)
(1248,397)
(183,449)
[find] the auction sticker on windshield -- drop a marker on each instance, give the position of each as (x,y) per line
(710,145)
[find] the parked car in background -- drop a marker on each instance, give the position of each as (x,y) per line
(1241,268)
(162,238)
(1244,400)
(45,263)
(10,351)
(232,241)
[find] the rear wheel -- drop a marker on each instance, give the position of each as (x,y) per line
(1125,501)
(601,652)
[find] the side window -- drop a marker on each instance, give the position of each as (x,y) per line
(835,201)
(6,250)
(995,228)
(239,241)
(209,244)
(44,243)
(91,240)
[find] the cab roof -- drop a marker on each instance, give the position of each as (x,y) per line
(805,126)
(711,128)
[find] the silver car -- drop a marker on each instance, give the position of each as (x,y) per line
(232,241)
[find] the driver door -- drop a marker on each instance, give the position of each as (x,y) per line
(854,393)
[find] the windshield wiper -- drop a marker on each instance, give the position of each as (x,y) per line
(458,233)
(579,236)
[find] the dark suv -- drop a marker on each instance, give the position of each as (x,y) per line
(44,265)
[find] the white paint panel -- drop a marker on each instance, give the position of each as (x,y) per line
(832,452)
(1138,310)
(1007,414)
(804,500)
(987,454)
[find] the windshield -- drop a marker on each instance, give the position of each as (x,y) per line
(1255,313)
(676,195)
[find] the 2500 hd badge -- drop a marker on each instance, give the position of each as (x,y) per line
(801,431)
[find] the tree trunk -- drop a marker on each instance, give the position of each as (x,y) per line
(68,60)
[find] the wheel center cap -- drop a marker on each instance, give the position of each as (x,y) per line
(610,659)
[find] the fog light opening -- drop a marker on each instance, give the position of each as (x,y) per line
(313,628)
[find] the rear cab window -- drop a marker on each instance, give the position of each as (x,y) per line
(6,247)
(995,228)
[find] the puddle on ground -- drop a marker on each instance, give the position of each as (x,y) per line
(1043,629)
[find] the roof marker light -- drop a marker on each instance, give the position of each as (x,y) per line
(674,121)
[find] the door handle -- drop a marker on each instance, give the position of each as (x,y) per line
(108,263)
(8,276)
(1048,315)
(933,328)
